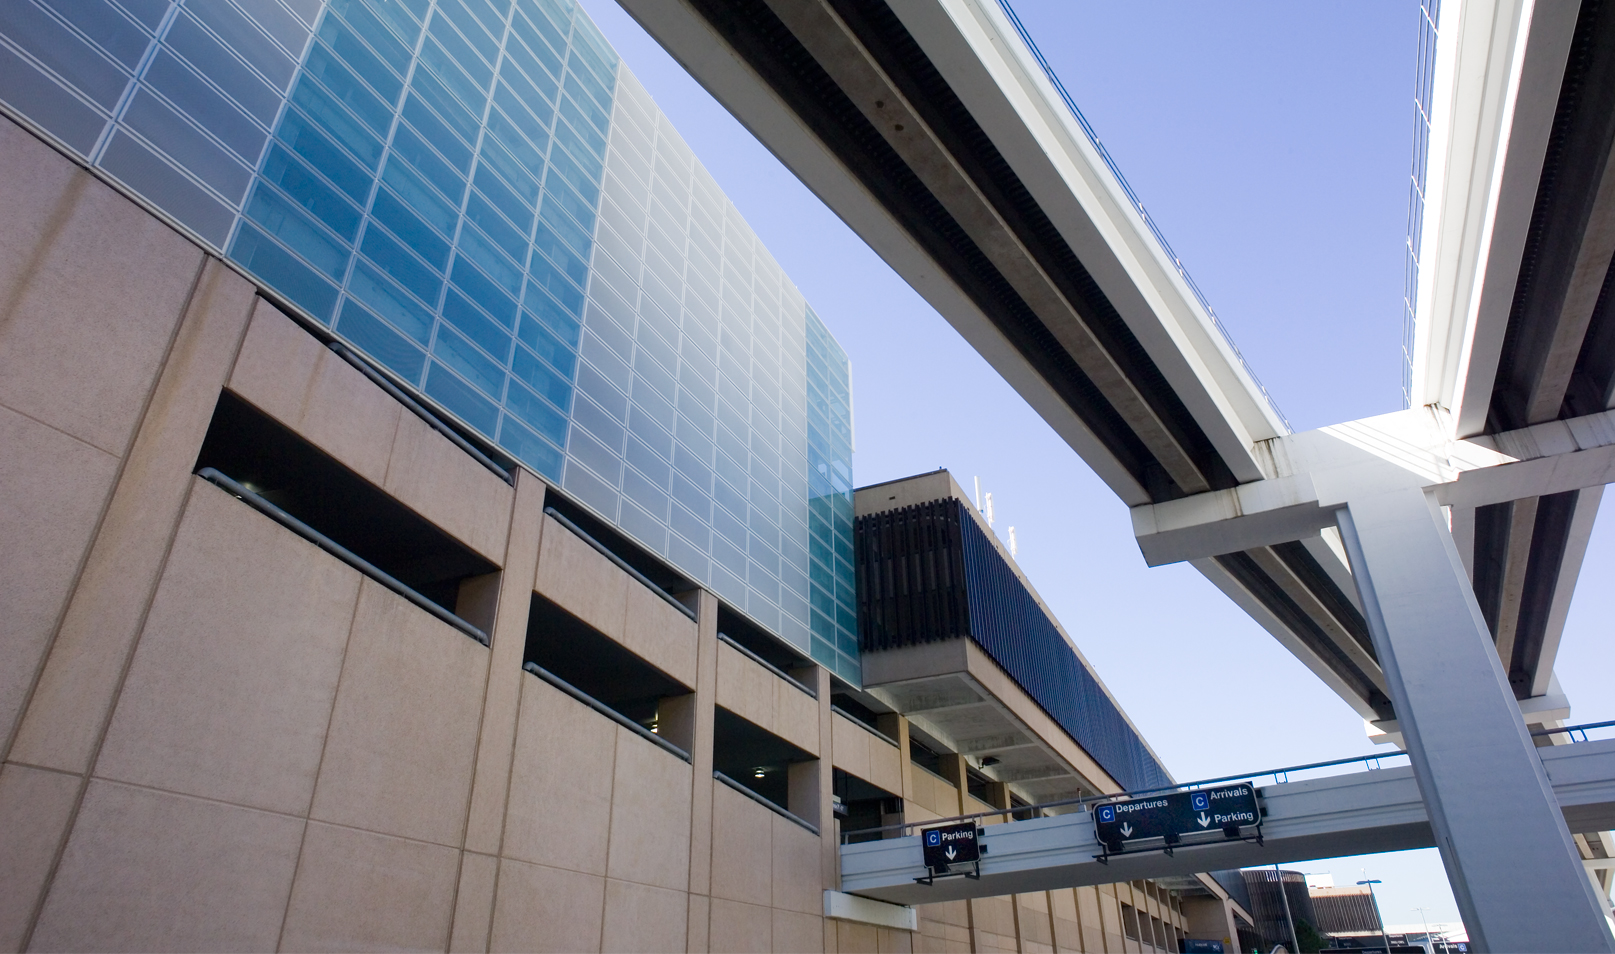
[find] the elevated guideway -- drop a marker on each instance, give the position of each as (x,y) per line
(1356,813)
(934,130)
(1437,547)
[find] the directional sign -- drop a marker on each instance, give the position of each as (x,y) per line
(1172,816)
(950,845)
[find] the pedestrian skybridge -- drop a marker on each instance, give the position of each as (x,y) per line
(1360,812)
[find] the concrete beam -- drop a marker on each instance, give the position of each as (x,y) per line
(1317,471)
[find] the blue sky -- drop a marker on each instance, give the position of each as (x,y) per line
(1271,143)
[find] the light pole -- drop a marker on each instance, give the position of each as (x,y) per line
(1289,920)
(1429,944)
(1384,939)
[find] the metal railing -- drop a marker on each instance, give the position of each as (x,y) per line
(1571,730)
(246,496)
(1138,206)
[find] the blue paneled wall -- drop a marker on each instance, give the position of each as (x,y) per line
(477,195)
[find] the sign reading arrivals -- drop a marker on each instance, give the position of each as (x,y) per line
(1173,815)
(950,845)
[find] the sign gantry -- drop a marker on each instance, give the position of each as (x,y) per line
(1171,817)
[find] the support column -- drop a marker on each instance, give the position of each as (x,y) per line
(702,717)
(1514,869)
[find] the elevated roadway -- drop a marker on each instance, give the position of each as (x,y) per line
(1421,563)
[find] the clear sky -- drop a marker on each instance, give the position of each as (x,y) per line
(1271,143)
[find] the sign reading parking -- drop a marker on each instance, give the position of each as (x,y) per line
(1171,816)
(950,845)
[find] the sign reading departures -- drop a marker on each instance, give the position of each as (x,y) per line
(1173,815)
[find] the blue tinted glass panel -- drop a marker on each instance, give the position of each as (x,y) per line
(289,223)
(321,107)
(457,352)
(322,154)
(484,292)
(392,39)
(425,200)
(404,268)
(312,193)
(405,224)
(461,399)
(429,164)
(359,57)
(243,36)
(530,449)
(221,66)
(96,76)
(261,255)
(381,341)
(391,302)
(187,91)
(477,326)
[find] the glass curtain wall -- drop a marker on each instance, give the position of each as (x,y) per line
(477,195)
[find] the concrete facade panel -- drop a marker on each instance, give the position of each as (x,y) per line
(849,748)
(564,756)
(501,705)
(91,288)
(285,372)
(538,908)
(230,691)
(660,634)
(442,483)
(796,716)
(797,932)
(745,688)
(740,928)
(742,850)
(48,522)
(403,737)
(34,809)
(796,882)
(153,871)
(97,633)
(650,815)
(641,919)
(473,902)
(851,936)
(581,581)
(360,891)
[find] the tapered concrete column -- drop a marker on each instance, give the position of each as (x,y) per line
(1514,869)
(508,598)
(702,717)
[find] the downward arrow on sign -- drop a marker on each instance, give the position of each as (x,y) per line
(1127,831)
(951,853)
(1203,820)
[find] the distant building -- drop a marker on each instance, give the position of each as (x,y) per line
(1348,910)
(1267,906)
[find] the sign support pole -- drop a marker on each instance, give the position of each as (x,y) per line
(1289,919)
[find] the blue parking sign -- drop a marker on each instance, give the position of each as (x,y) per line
(1201,801)
(933,838)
